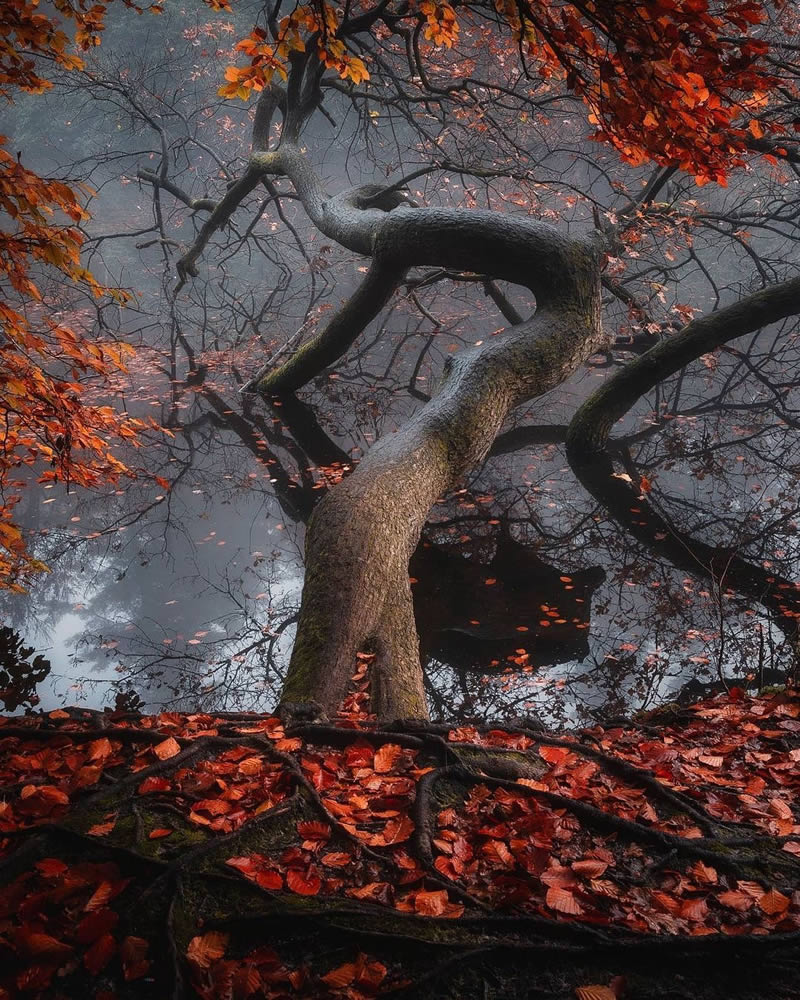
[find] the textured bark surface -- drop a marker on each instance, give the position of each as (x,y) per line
(357,594)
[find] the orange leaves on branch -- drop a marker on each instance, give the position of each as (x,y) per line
(441,26)
(269,59)
(43,359)
(684,72)
(692,75)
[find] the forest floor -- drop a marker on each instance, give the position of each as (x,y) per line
(229,856)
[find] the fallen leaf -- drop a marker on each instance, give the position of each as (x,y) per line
(563,901)
(97,957)
(305,882)
(169,748)
(774,902)
(595,993)
(207,948)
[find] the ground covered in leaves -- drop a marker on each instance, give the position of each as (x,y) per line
(231,857)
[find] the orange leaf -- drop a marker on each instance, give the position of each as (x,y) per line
(590,867)
(101,829)
(386,757)
(154,784)
(207,948)
(563,901)
(595,993)
(43,945)
(343,976)
(313,830)
(304,882)
(97,957)
(555,755)
(100,748)
(431,904)
(774,902)
(167,749)
(132,953)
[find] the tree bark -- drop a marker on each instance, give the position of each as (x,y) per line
(362,535)
(356,594)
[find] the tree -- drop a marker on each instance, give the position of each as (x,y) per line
(475,850)
(680,86)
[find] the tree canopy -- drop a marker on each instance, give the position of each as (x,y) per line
(616,183)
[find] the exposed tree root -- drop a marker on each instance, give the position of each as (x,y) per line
(389,852)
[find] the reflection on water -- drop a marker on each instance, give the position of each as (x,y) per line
(530,601)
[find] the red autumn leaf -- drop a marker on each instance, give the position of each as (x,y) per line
(498,853)
(378,891)
(590,867)
(774,902)
(704,873)
(214,807)
(735,900)
(98,749)
(268,879)
(41,799)
(51,867)
(370,973)
(694,909)
(97,957)
(44,946)
(169,748)
(102,829)
(386,757)
(207,948)
(159,832)
(133,953)
(563,901)
(245,865)
(251,766)
(288,745)
(95,924)
(154,784)
(595,993)
(306,882)
(313,830)
(555,755)
(343,976)
(780,809)
(101,895)
(336,859)
(396,831)
(431,904)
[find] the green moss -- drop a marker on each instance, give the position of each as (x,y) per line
(772,689)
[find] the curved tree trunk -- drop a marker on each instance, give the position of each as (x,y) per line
(357,593)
